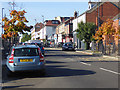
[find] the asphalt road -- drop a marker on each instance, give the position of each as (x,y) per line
(68,69)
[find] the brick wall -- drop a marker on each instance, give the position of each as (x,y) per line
(106,10)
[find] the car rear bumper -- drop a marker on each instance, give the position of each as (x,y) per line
(69,49)
(26,68)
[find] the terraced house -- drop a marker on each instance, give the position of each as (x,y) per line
(98,12)
(116,25)
(64,30)
(35,35)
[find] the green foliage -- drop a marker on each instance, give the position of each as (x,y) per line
(26,37)
(86,31)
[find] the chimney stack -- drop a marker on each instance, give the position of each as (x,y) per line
(75,14)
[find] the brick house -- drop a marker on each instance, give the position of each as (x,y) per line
(50,30)
(35,30)
(64,29)
(68,30)
(116,25)
(102,11)
(97,12)
(38,29)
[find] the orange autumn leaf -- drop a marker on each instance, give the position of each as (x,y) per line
(106,29)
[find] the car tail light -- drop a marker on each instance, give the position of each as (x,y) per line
(41,56)
(43,48)
(11,57)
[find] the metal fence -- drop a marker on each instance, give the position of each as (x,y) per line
(104,48)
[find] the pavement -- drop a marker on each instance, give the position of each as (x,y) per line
(98,54)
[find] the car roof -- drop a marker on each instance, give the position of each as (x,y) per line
(25,46)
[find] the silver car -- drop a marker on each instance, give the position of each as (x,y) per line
(68,46)
(25,58)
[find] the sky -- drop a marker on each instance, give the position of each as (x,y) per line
(50,10)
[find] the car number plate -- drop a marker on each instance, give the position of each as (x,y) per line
(70,48)
(26,60)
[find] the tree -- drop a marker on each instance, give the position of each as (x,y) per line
(118,33)
(107,30)
(85,32)
(26,37)
(17,23)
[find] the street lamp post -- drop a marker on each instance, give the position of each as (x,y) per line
(43,26)
(2,21)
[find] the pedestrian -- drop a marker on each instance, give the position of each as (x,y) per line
(91,45)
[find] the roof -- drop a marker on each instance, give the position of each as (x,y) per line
(99,4)
(25,46)
(67,21)
(63,19)
(116,17)
(95,7)
(50,23)
(39,26)
(116,4)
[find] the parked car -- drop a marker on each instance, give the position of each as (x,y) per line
(68,46)
(47,44)
(25,58)
(60,44)
(41,47)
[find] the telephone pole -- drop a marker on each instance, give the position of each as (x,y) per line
(12,4)
(43,26)
(35,28)
(2,21)
(98,14)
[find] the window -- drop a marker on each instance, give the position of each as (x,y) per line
(26,52)
(54,22)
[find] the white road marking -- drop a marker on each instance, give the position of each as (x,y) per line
(110,71)
(85,63)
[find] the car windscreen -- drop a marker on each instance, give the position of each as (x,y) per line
(26,52)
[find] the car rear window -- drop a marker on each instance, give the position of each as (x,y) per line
(70,45)
(26,52)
